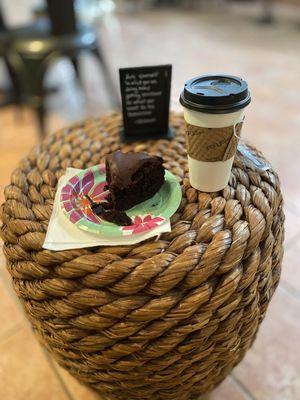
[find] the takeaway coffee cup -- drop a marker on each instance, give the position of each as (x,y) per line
(214,110)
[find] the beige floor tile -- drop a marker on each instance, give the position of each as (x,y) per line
(228,390)
(4,274)
(11,312)
(291,267)
(271,368)
(291,188)
(24,370)
(292,225)
(11,315)
(293,199)
(6,277)
(77,391)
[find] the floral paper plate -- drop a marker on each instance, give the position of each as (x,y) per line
(145,216)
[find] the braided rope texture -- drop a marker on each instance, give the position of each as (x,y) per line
(165,319)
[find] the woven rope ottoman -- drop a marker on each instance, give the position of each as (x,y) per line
(163,319)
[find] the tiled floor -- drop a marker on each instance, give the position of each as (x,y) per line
(268,56)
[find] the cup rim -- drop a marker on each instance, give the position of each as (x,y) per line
(214,109)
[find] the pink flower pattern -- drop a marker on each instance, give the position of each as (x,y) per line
(74,200)
(143,224)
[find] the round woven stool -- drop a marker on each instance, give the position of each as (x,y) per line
(162,319)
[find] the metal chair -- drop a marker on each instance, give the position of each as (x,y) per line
(34,48)
(11,93)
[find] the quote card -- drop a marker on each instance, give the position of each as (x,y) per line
(145,93)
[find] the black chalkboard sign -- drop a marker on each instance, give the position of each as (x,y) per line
(145,95)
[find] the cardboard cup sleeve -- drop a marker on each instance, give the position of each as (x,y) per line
(212,144)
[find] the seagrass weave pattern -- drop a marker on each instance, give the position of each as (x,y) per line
(164,319)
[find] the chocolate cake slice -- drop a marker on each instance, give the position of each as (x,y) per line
(132,178)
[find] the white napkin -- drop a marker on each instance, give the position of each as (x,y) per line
(62,234)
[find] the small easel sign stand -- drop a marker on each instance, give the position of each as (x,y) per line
(145,93)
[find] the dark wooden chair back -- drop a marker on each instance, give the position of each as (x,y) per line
(62,17)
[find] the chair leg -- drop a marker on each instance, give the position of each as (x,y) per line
(40,111)
(114,96)
(75,62)
(267,16)
(30,75)
(14,81)
(36,71)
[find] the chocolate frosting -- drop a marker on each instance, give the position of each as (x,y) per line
(121,166)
